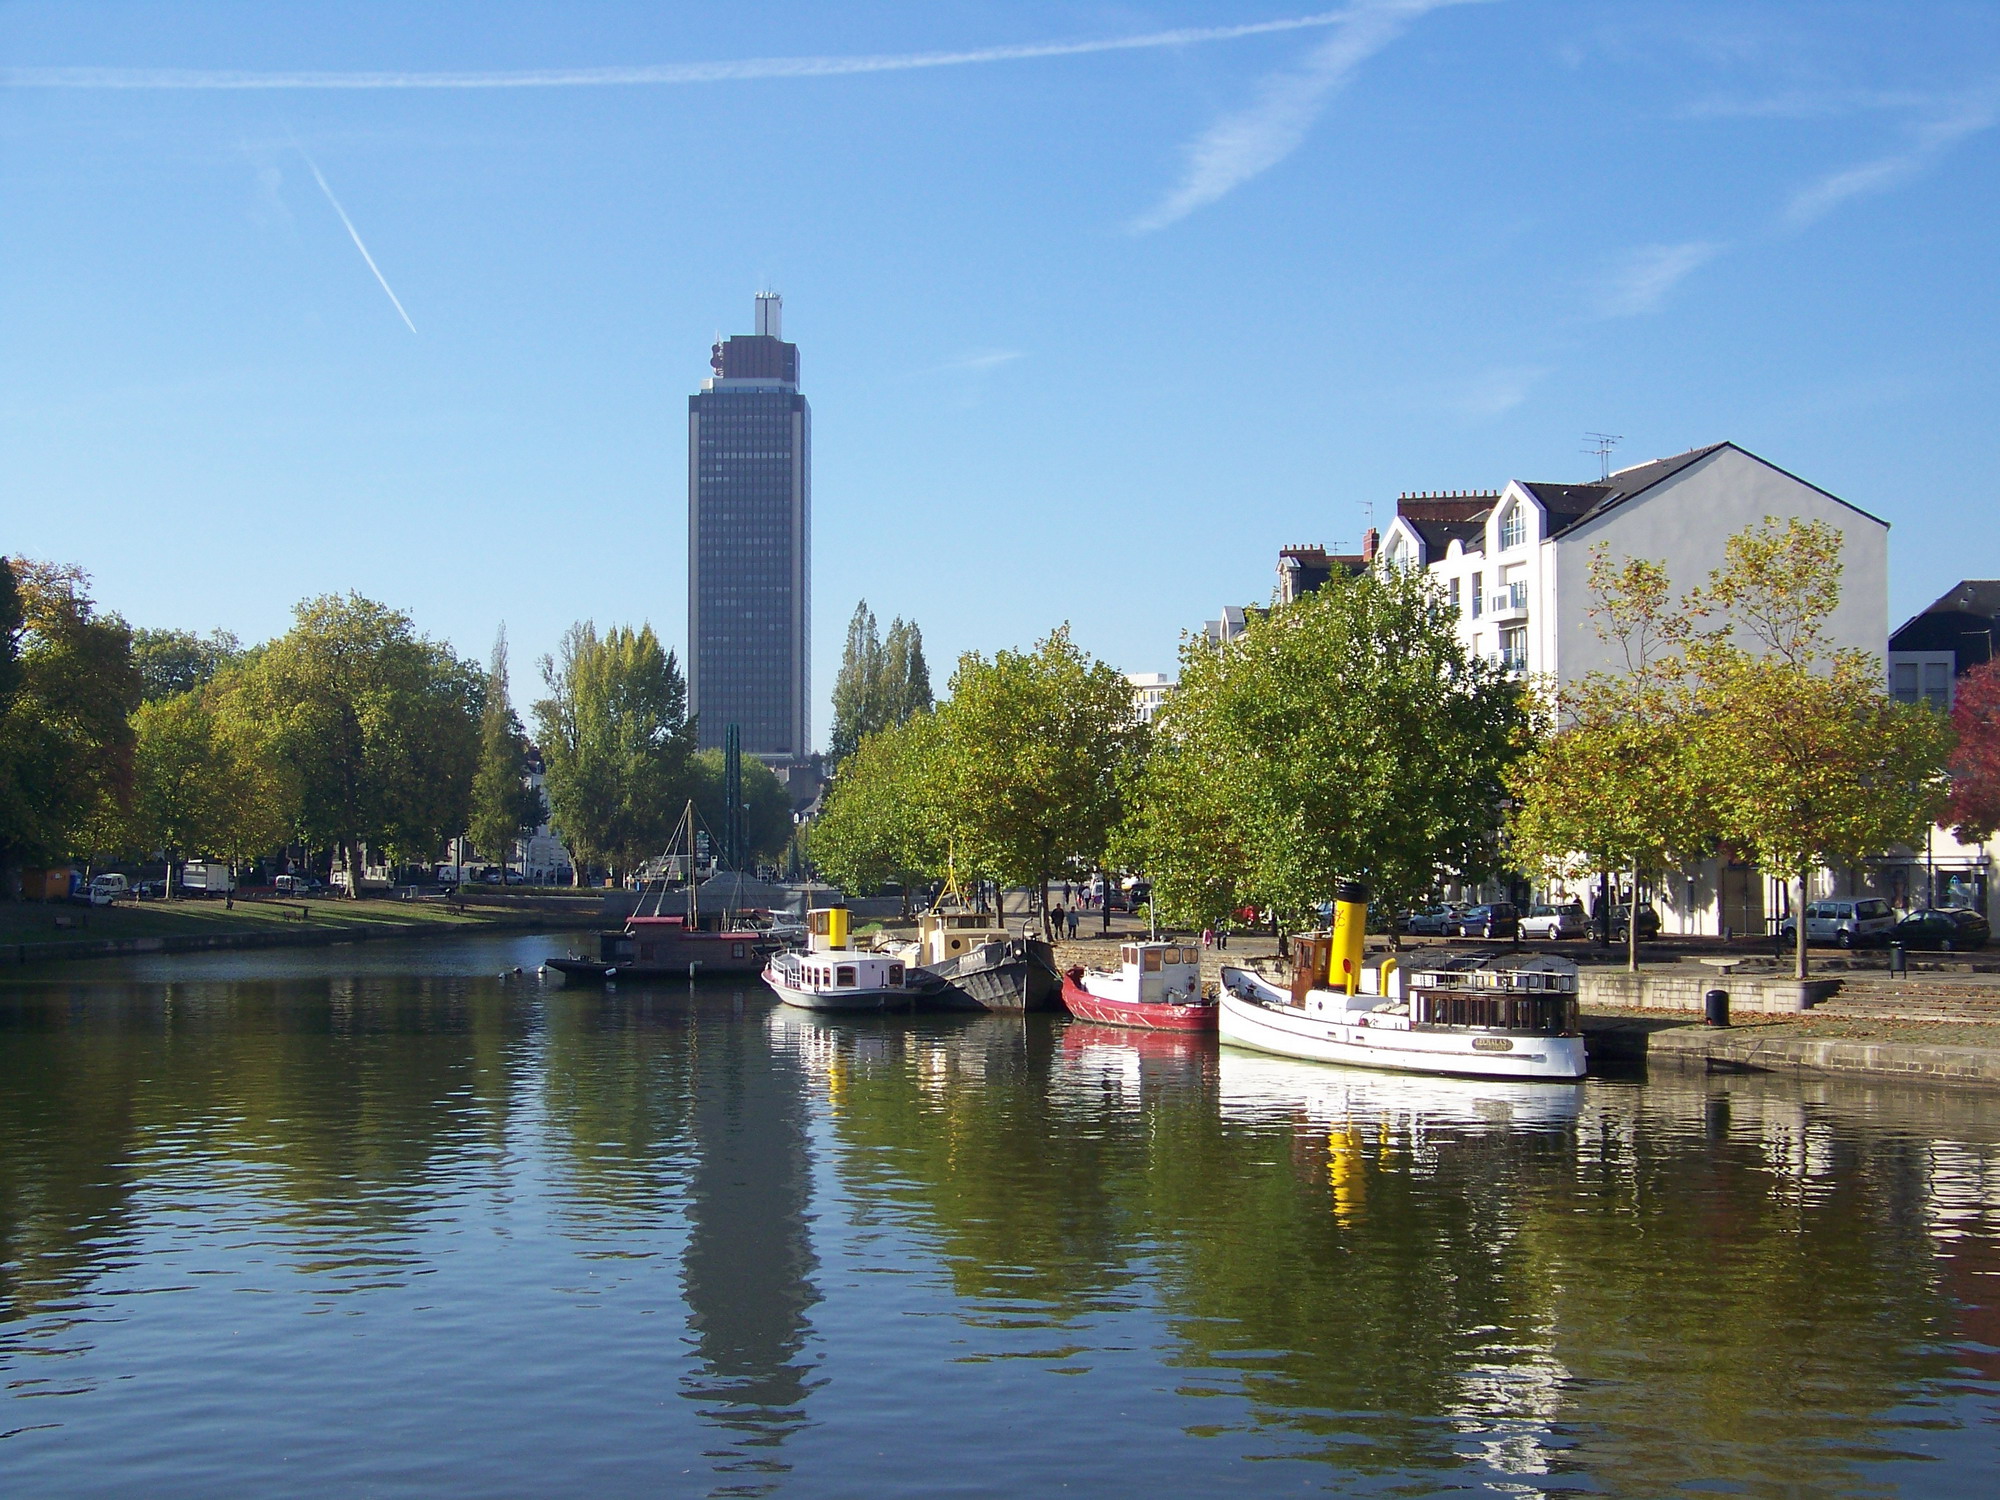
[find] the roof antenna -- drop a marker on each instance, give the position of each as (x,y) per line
(1601,443)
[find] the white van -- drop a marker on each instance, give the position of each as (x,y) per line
(1848,924)
(107,888)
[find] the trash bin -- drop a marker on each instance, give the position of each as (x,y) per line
(1715,1008)
(1899,959)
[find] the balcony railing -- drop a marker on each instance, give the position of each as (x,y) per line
(1515,662)
(1509,602)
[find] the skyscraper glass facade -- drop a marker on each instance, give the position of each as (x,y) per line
(750,546)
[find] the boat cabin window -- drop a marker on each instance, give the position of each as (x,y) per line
(895,976)
(816,922)
(735,950)
(845,979)
(1153,957)
(1128,954)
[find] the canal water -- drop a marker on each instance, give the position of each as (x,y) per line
(380,1221)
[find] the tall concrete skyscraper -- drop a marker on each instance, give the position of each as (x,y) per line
(750,545)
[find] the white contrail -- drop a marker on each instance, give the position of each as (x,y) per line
(355,235)
(663,73)
(1252,140)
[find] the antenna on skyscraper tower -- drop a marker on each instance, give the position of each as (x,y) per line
(1601,443)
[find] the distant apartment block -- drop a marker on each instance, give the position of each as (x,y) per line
(1150,691)
(1932,650)
(750,546)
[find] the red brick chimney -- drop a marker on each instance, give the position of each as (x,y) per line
(1370,540)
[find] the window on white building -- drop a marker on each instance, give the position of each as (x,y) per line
(1513,528)
(1903,687)
(1458,608)
(1514,649)
(1478,594)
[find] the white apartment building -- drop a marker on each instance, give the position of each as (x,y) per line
(1150,691)
(1516,561)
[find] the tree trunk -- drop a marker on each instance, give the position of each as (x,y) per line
(1799,924)
(1632,924)
(167,887)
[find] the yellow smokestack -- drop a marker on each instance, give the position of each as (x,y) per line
(1350,926)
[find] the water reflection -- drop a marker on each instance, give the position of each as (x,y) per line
(678,1238)
(747,1270)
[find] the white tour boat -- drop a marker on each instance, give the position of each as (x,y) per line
(829,975)
(1481,1018)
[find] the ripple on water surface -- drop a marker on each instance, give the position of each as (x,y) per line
(375,1221)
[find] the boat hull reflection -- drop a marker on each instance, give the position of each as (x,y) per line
(1256,1085)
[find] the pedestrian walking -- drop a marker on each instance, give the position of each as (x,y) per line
(1208,937)
(1222,938)
(1056,922)
(1073,915)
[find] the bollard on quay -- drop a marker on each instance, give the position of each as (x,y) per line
(1715,1008)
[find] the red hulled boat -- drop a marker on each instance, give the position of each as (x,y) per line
(1156,987)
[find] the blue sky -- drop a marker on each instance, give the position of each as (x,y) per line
(1089,331)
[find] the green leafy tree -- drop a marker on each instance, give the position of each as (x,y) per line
(881,683)
(67,692)
(1034,753)
(880,821)
(1808,760)
(906,676)
(857,688)
(1617,784)
(616,742)
(375,729)
(768,823)
(179,661)
(504,803)
(1347,735)
(205,782)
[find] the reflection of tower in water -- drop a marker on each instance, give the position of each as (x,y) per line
(749,1262)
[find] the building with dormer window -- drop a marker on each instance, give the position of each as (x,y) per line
(1516,561)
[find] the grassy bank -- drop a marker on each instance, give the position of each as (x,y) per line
(32,931)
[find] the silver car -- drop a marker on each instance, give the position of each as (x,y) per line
(1548,923)
(1847,924)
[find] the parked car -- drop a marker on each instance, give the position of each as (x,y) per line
(1495,919)
(1846,924)
(150,890)
(297,885)
(1949,929)
(1548,923)
(109,887)
(1430,921)
(1649,922)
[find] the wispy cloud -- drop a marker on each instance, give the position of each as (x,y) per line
(980,361)
(741,70)
(355,235)
(1251,141)
(1641,282)
(1495,392)
(1930,140)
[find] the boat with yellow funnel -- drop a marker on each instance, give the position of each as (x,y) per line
(1471,1016)
(832,975)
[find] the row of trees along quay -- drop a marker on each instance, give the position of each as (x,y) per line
(351,731)
(1351,734)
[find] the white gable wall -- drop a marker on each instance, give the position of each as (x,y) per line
(1683,523)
